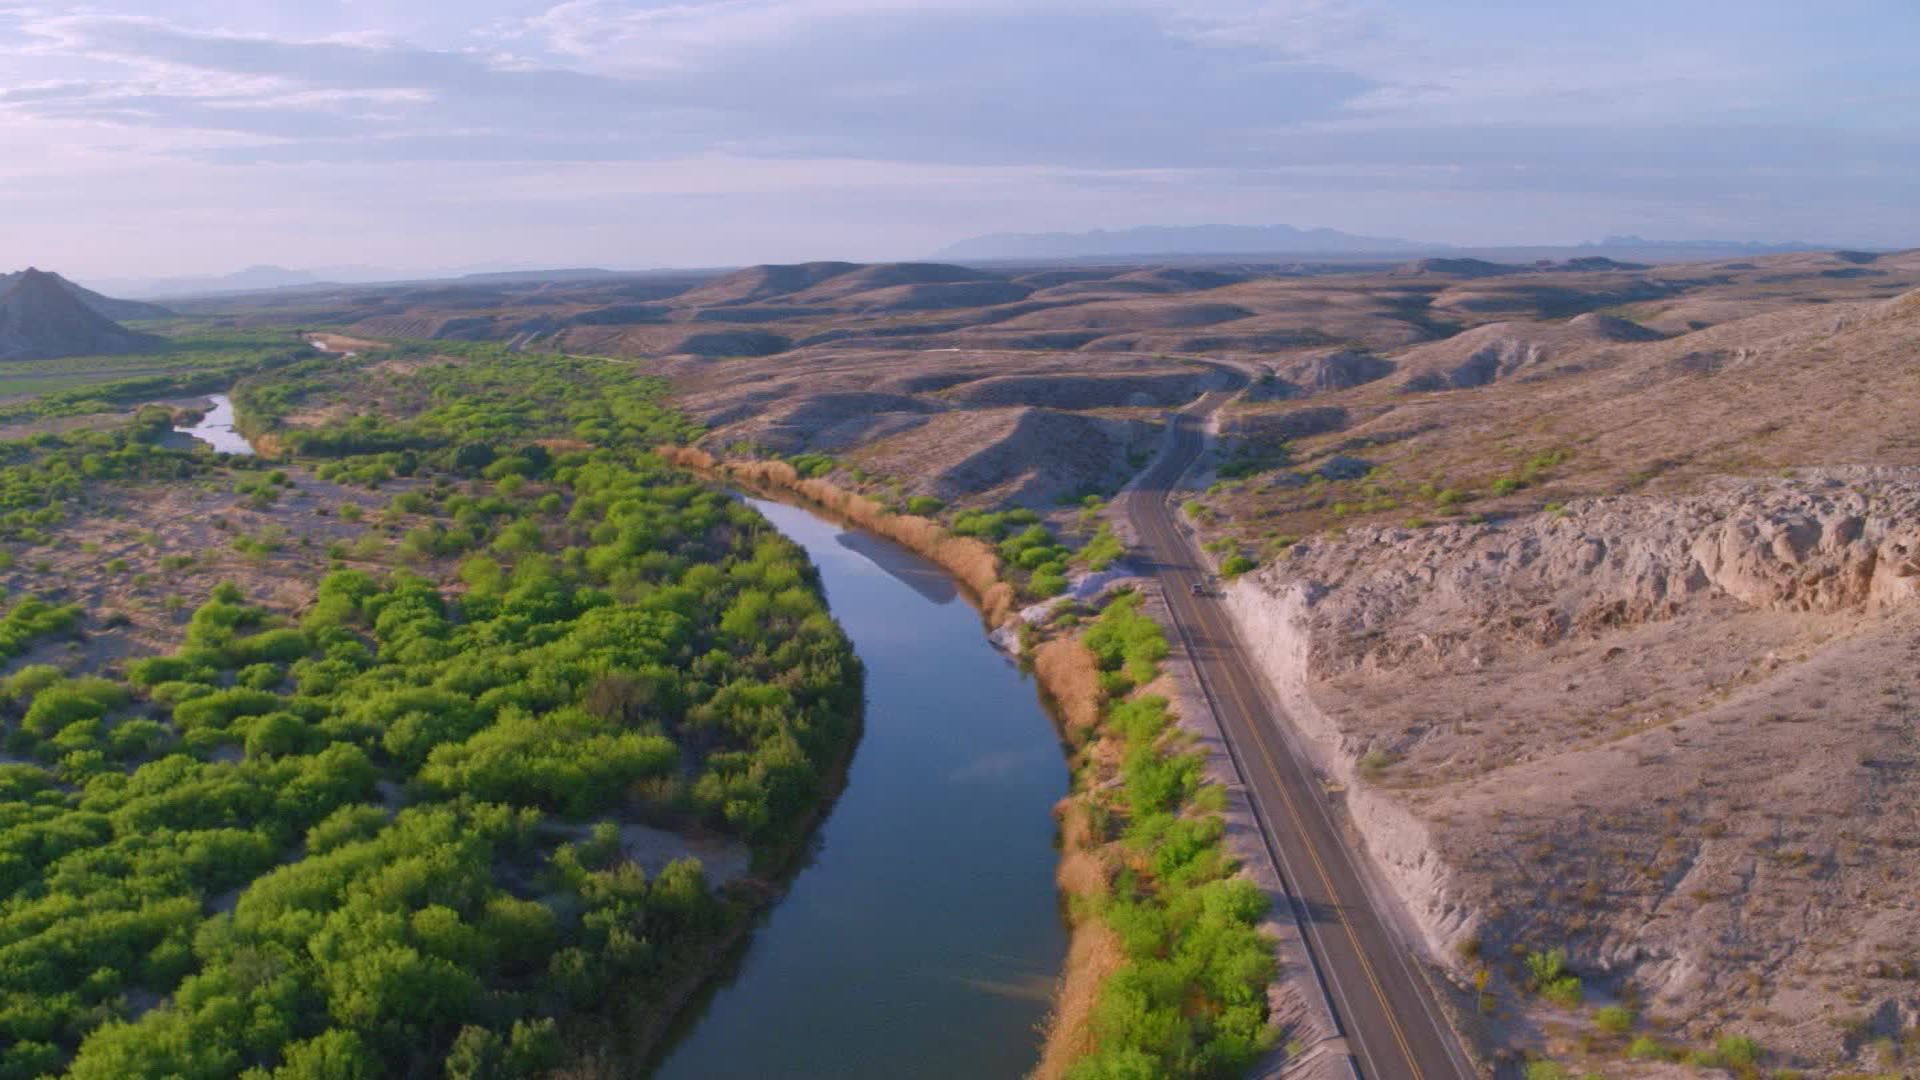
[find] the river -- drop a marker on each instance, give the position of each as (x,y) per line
(924,936)
(216,428)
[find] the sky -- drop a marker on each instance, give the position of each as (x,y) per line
(163,137)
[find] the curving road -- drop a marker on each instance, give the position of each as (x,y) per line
(1394,1028)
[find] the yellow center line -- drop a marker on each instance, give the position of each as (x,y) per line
(1168,543)
(1326,881)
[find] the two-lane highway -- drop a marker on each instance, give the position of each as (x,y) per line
(1384,1006)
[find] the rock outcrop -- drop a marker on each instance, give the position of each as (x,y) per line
(1841,541)
(1673,736)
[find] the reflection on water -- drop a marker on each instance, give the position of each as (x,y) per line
(916,573)
(216,428)
(924,938)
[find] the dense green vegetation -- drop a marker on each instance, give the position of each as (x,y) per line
(457,405)
(1032,559)
(383,837)
(1190,998)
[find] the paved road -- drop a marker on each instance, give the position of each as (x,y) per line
(1385,1008)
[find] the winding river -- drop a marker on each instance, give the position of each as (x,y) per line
(216,427)
(924,936)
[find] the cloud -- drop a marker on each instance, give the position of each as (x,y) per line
(854,124)
(979,83)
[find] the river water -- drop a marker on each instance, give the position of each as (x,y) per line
(924,937)
(216,428)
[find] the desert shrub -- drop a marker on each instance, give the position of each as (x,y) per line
(23,684)
(1124,640)
(1646,1048)
(1103,550)
(1547,976)
(1738,1051)
(71,700)
(1374,763)
(813,465)
(31,619)
(1046,584)
(1614,1019)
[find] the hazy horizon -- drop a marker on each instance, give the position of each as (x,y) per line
(187,137)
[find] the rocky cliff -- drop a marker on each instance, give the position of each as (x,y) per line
(1674,736)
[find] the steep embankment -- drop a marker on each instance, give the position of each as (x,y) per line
(1670,735)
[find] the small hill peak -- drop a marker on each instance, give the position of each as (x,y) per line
(42,317)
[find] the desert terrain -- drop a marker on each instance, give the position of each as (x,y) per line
(1591,584)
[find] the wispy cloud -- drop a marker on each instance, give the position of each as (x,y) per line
(913,116)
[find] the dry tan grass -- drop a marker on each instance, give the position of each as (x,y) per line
(686,457)
(972,562)
(1093,953)
(1072,677)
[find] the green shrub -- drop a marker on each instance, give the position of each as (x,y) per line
(1738,1051)
(1123,639)
(1375,763)
(1547,976)
(32,619)
(1645,1048)
(23,684)
(1614,1019)
(1047,584)
(1236,564)
(1103,550)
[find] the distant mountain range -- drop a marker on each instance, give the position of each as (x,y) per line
(43,316)
(1180,240)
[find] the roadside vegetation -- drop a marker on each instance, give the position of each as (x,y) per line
(1187,995)
(1168,972)
(386,832)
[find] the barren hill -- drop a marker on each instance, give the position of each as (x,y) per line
(760,283)
(104,306)
(1608,634)
(41,318)
(1469,268)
